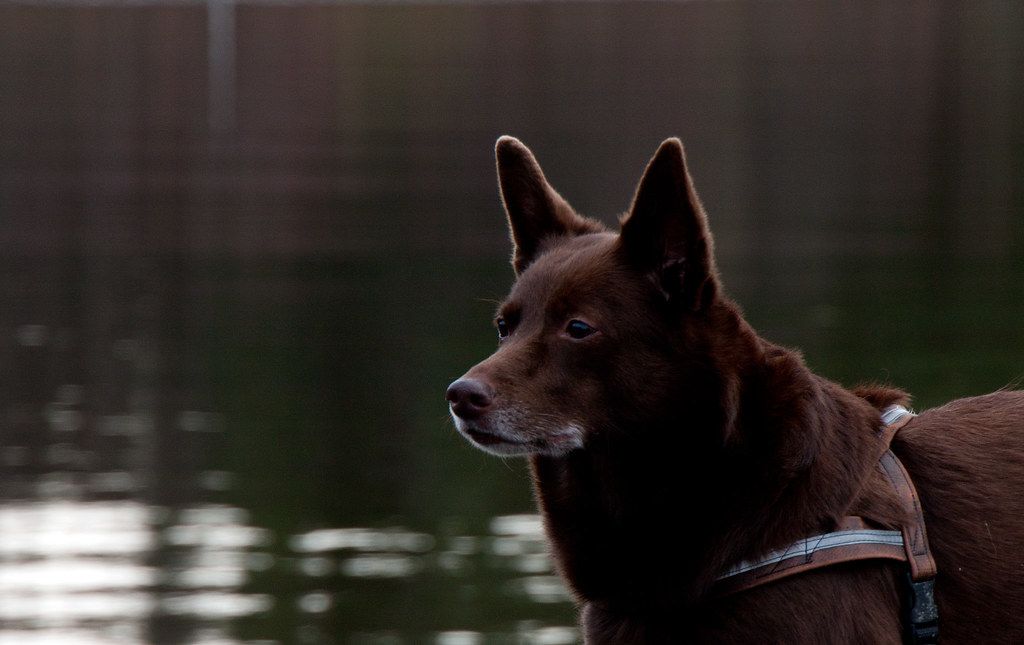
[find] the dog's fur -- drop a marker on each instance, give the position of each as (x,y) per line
(668,441)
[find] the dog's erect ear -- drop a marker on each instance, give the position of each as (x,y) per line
(666,233)
(535,210)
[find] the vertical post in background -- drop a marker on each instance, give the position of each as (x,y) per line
(220,39)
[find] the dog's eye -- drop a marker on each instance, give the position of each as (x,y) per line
(503,329)
(578,329)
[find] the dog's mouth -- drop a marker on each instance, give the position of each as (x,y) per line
(486,438)
(497,442)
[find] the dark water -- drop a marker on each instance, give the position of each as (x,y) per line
(244,247)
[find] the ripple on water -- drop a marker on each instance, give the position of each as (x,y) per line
(361,539)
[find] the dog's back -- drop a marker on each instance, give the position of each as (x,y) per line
(967,461)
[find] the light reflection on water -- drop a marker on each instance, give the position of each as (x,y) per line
(66,565)
(80,573)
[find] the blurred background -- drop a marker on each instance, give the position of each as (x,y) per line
(245,245)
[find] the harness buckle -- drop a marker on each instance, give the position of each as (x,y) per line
(921,620)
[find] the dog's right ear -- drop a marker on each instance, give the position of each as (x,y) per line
(535,210)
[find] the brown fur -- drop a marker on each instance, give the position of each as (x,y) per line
(673,441)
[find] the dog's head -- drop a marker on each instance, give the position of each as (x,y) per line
(604,334)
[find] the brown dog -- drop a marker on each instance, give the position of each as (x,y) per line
(668,441)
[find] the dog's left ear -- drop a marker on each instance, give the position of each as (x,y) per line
(666,233)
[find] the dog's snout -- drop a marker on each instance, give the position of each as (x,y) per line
(469,397)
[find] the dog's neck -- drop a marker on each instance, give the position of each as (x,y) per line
(641,517)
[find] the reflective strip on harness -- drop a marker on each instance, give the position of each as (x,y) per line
(894,413)
(806,548)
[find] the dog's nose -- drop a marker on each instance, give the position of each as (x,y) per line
(469,397)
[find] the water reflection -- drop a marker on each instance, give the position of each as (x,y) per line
(86,568)
(75,573)
(142,505)
(83,572)
(514,546)
(214,550)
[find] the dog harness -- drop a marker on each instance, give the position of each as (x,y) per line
(855,540)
